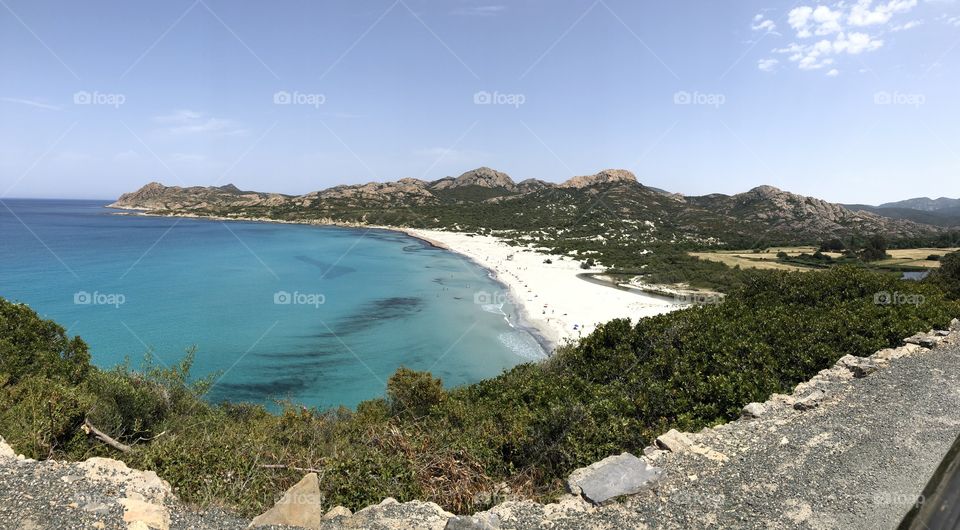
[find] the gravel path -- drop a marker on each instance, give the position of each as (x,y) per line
(857,460)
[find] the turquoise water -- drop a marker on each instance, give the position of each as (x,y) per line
(319,315)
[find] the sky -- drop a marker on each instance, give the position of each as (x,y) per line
(852,101)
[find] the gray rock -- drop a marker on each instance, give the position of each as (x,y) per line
(612,477)
(943,333)
(811,400)
(860,366)
(487,521)
(754,410)
(955,324)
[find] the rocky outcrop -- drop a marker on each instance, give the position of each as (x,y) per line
(605,177)
(483,177)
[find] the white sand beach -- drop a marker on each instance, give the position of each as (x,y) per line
(555,301)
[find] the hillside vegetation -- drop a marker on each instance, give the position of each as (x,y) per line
(464,448)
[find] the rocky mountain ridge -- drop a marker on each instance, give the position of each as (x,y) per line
(610,204)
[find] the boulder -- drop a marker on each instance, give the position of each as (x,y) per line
(612,477)
(301,505)
(753,410)
(926,340)
(955,324)
(674,441)
(811,400)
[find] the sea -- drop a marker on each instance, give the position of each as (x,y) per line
(319,316)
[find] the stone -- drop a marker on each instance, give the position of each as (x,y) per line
(943,333)
(413,514)
(674,441)
(859,366)
(301,505)
(754,410)
(810,401)
(337,511)
(488,521)
(927,340)
(5,450)
(612,477)
(955,324)
(144,483)
(145,514)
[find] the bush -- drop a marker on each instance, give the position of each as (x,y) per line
(413,393)
(32,346)
(614,391)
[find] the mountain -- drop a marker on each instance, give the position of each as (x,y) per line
(942,212)
(925,204)
(609,206)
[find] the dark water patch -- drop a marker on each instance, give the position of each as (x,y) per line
(373,313)
(330,270)
(261,391)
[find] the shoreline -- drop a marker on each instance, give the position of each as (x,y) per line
(554,303)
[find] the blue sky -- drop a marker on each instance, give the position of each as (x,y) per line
(852,101)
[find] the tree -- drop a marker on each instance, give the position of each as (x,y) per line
(948,275)
(832,245)
(875,248)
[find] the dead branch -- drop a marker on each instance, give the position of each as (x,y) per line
(104,437)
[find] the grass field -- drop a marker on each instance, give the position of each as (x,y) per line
(914,257)
(767,259)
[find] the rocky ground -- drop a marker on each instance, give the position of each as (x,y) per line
(852,448)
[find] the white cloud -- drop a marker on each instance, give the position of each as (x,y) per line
(761,23)
(767,65)
(953,21)
(32,103)
(833,73)
(864,13)
(845,27)
(184,122)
